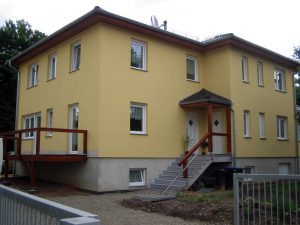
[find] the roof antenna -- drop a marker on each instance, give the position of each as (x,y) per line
(154,23)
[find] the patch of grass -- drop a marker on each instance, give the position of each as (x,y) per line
(213,196)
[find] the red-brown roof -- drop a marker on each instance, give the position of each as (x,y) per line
(99,15)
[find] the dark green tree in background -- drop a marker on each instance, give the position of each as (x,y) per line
(14,38)
(296,56)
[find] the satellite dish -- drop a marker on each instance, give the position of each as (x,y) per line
(154,22)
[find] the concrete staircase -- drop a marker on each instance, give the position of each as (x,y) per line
(195,169)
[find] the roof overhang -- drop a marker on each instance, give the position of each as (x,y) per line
(99,15)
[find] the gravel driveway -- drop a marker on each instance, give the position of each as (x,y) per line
(112,213)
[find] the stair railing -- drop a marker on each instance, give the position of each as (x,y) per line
(169,185)
(184,161)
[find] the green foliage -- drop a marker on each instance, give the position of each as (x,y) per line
(186,140)
(213,196)
(14,38)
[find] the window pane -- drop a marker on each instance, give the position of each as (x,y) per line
(244,69)
(136,118)
(137,52)
(190,69)
(76,56)
(135,176)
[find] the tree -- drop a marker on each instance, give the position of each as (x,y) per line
(14,38)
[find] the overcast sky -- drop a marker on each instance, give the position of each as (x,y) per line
(273,24)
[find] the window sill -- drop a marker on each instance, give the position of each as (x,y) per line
(51,79)
(260,85)
(137,133)
(194,81)
(137,184)
(139,69)
(27,139)
(246,81)
(263,138)
(49,136)
(247,137)
(281,91)
(32,86)
(73,71)
(282,139)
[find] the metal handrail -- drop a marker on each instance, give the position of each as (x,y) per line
(163,192)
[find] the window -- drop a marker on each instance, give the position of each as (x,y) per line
(261,121)
(137,119)
(31,121)
(284,168)
(246,124)
(52,67)
(138,55)
(137,177)
(260,80)
(33,75)
(279,80)
(245,69)
(282,128)
(49,121)
(249,170)
(75,56)
(191,68)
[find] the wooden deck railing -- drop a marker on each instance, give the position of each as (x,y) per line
(208,135)
(18,136)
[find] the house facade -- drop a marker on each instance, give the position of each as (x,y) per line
(138,90)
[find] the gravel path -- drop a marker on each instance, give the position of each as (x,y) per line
(112,213)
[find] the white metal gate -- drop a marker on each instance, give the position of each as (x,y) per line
(266,199)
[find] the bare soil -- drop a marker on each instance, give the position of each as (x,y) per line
(211,211)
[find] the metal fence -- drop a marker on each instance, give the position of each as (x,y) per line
(18,208)
(266,199)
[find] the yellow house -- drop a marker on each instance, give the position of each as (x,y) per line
(105,103)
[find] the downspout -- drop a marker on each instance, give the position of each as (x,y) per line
(296,130)
(234,137)
(17,94)
(17,108)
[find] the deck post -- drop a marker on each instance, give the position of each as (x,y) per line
(19,143)
(5,159)
(85,142)
(228,128)
(184,164)
(38,140)
(209,124)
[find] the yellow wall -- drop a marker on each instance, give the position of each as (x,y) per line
(68,88)
(105,86)
(256,99)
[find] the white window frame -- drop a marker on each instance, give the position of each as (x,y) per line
(33,75)
(34,116)
(49,122)
(251,168)
(144,114)
(261,123)
(245,76)
(144,54)
(52,68)
(246,123)
(279,120)
(276,79)
(195,60)
(75,57)
(260,76)
(143,177)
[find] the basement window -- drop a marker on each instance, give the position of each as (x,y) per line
(137,177)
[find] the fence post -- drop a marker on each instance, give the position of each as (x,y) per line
(236,199)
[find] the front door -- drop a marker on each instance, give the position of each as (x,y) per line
(193,127)
(73,137)
(218,141)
